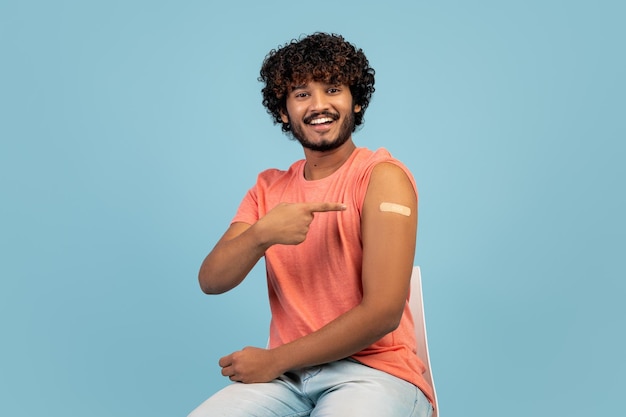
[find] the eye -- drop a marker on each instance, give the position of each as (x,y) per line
(300,94)
(334,90)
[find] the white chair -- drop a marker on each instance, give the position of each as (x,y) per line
(416,304)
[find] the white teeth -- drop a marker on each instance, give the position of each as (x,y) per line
(322,120)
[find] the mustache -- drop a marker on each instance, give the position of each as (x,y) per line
(325,113)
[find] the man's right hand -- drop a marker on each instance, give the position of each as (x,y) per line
(288,223)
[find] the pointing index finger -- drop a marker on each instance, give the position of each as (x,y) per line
(321,207)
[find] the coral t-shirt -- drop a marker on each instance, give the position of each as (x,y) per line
(313,283)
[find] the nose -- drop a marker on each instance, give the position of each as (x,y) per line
(319,101)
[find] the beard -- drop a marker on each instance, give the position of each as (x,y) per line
(345,131)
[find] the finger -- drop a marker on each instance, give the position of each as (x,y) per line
(321,207)
(226,361)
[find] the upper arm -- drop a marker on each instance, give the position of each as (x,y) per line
(388,239)
(219,271)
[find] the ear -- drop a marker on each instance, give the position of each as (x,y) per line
(284,117)
(357,108)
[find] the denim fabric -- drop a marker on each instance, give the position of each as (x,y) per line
(344,388)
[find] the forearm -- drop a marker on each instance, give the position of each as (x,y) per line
(231,260)
(350,333)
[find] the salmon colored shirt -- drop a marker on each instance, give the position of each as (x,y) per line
(312,283)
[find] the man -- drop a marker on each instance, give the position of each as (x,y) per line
(337,231)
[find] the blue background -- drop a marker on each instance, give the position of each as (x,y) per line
(130,130)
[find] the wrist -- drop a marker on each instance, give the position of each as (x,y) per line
(280,360)
(260,237)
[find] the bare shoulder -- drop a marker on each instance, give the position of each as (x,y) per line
(389,181)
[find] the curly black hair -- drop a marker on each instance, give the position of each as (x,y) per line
(319,57)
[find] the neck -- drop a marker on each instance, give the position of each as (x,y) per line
(322,164)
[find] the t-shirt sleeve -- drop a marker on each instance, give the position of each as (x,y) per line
(254,204)
(248,211)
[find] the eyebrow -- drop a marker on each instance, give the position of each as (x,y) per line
(303,86)
(298,87)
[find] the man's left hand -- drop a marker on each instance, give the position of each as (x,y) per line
(250,365)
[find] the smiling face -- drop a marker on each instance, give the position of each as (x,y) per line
(321,115)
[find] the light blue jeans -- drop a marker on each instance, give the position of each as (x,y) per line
(344,388)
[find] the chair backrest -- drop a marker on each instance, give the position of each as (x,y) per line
(416,304)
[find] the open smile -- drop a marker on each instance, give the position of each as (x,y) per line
(321,119)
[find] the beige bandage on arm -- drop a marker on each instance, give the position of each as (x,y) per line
(395,208)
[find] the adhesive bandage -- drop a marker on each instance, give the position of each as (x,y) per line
(395,208)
